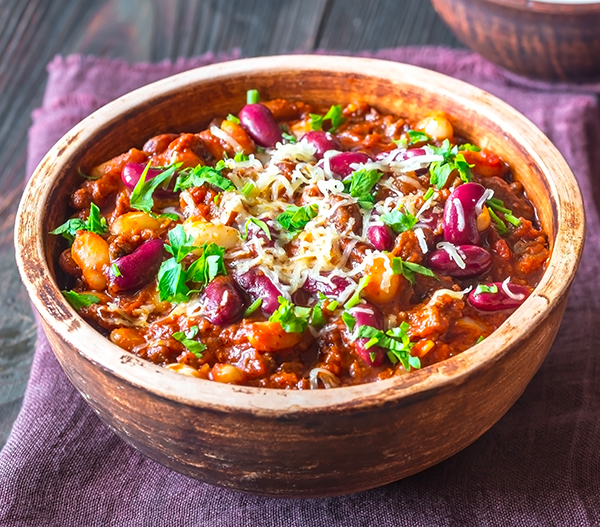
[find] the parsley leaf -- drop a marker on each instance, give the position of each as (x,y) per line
(180,243)
(94,223)
(187,340)
(359,185)
(470,147)
(317,319)
(260,224)
(483,288)
(349,320)
(240,156)
(289,138)
(80,300)
(293,319)
(334,114)
(417,137)
(171,282)
(355,298)
(208,265)
(252,307)
(408,269)
(396,341)
(199,175)
(141,195)
(295,218)
(399,221)
(440,170)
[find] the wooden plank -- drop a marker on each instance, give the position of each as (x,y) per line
(355,25)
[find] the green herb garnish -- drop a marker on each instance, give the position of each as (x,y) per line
(470,147)
(415,137)
(115,270)
(334,114)
(187,340)
(498,205)
(440,170)
(94,223)
(260,224)
(248,188)
(408,269)
(355,298)
(252,97)
(359,185)
(141,196)
(500,225)
(233,119)
(399,221)
(396,341)
(199,175)
(428,194)
(252,307)
(80,300)
(208,265)
(480,339)
(294,219)
(482,288)
(293,319)
(349,320)
(289,138)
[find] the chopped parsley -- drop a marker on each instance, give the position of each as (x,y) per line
(359,185)
(80,300)
(408,269)
(483,288)
(252,97)
(399,221)
(173,278)
(240,156)
(440,170)
(317,319)
(252,307)
(289,138)
(199,175)
(470,147)
(349,320)
(115,270)
(94,223)
(260,224)
(500,225)
(480,339)
(355,298)
(415,137)
(187,339)
(294,219)
(395,340)
(293,319)
(334,115)
(232,118)
(428,194)
(141,195)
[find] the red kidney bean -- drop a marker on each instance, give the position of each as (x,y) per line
(430,220)
(258,285)
(334,287)
(139,267)
(381,237)
(477,261)
(322,141)
(499,300)
(460,216)
(368,315)
(223,301)
(340,163)
(260,124)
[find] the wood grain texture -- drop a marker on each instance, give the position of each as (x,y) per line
(329,442)
(33,31)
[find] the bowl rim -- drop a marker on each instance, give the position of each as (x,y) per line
(57,314)
(583,7)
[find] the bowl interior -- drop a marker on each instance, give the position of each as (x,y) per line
(187,102)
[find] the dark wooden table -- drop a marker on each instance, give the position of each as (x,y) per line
(33,31)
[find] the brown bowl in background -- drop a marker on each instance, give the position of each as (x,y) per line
(541,40)
(301,443)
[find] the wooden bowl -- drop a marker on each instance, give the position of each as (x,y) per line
(542,40)
(301,443)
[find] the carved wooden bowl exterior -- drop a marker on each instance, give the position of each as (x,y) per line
(295,443)
(537,39)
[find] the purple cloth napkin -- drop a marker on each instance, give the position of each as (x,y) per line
(540,465)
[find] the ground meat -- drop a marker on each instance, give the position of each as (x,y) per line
(346,218)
